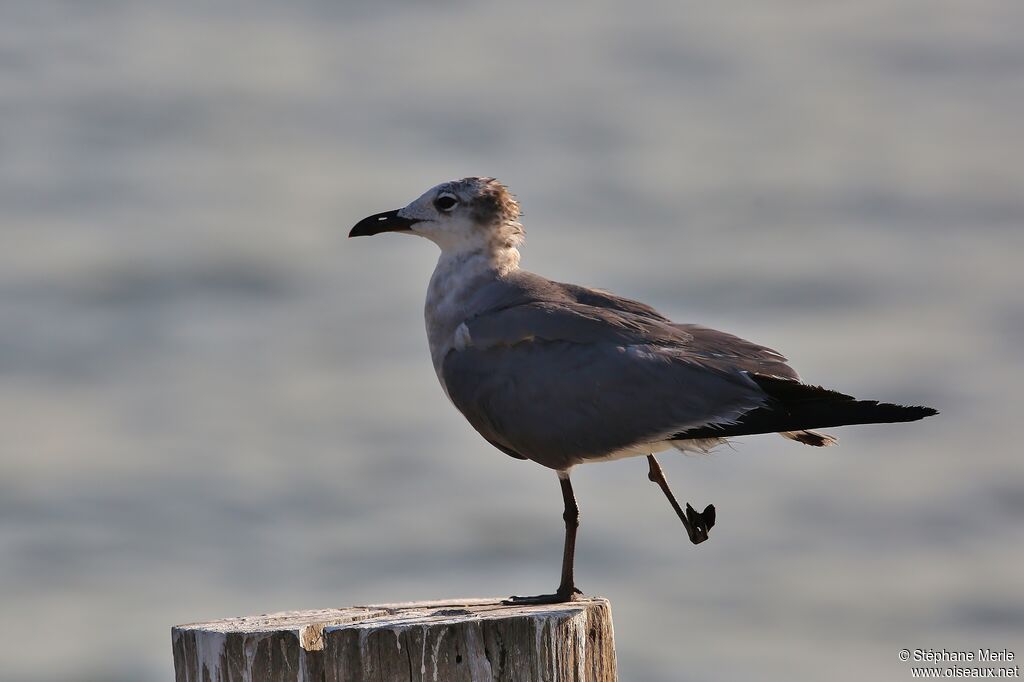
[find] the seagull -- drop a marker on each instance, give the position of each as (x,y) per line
(562,374)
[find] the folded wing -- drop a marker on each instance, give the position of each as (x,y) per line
(563,383)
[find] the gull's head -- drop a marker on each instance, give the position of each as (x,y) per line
(471,214)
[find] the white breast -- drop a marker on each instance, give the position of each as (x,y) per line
(446,310)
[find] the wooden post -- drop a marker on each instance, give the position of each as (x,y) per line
(476,640)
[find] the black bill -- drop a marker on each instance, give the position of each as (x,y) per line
(388,221)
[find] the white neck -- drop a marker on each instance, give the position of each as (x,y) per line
(474,249)
(468,262)
(459,271)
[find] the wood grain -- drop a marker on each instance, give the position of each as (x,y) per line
(472,640)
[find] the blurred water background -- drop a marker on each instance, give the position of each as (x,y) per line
(212,404)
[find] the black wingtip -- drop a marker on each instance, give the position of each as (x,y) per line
(905,413)
(802,407)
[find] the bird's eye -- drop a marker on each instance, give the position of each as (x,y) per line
(445,202)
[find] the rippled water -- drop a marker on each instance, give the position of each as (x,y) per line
(212,404)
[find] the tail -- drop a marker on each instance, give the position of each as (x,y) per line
(796,407)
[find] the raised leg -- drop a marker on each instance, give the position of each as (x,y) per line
(567,587)
(697,525)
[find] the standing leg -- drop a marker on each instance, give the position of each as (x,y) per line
(567,587)
(697,525)
(571,516)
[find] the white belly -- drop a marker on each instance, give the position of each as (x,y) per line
(696,445)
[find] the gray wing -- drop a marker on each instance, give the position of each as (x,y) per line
(563,383)
(573,322)
(737,352)
(607,300)
(522,287)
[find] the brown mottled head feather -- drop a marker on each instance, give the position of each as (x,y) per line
(492,203)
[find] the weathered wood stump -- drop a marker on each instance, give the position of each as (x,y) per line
(473,639)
